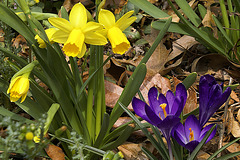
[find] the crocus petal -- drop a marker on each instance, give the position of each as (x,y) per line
(153,118)
(162,99)
(191,145)
(78,16)
(205,130)
(95,38)
(74,44)
(193,123)
(118,40)
(139,108)
(106,18)
(91,26)
(125,21)
(178,133)
(169,122)
(60,36)
(170,99)
(152,99)
(221,100)
(61,24)
(181,92)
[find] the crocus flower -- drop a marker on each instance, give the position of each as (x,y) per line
(162,111)
(19,87)
(76,32)
(191,134)
(211,97)
(49,33)
(118,40)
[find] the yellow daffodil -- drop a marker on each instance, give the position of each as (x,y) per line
(49,33)
(118,40)
(76,32)
(37,1)
(36,139)
(19,87)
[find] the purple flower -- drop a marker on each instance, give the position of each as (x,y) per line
(190,135)
(211,97)
(162,111)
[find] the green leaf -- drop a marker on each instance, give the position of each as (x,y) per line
(228,156)
(122,138)
(189,12)
(189,80)
(222,148)
(149,8)
(11,19)
(51,112)
(174,27)
(6,113)
(202,10)
(148,154)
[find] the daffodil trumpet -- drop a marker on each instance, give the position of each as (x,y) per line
(117,38)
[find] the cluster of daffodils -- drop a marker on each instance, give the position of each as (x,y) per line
(164,111)
(77,32)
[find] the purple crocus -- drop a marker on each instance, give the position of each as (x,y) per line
(190,135)
(162,111)
(211,97)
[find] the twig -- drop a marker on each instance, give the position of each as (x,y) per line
(222,129)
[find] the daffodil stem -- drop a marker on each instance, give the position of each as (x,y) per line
(89,116)
(100,88)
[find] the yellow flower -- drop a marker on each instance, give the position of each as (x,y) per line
(118,40)
(37,1)
(19,87)
(36,139)
(29,136)
(49,33)
(76,32)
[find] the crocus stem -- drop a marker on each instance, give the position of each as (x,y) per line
(169,148)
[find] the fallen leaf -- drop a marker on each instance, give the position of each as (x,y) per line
(202,155)
(132,151)
(20,41)
(234,96)
(163,60)
(55,152)
(235,147)
(121,121)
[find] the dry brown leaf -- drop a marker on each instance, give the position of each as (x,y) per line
(206,63)
(1,35)
(121,121)
(235,147)
(132,151)
(229,124)
(161,56)
(20,41)
(238,116)
(54,152)
(235,128)
(202,155)
(234,96)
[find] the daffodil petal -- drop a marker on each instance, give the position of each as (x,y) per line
(106,18)
(124,19)
(95,38)
(78,16)
(92,26)
(127,23)
(60,36)
(23,97)
(61,24)
(83,51)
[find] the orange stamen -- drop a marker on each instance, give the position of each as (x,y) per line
(191,135)
(163,106)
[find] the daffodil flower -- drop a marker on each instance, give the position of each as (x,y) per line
(118,40)
(76,32)
(19,87)
(49,33)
